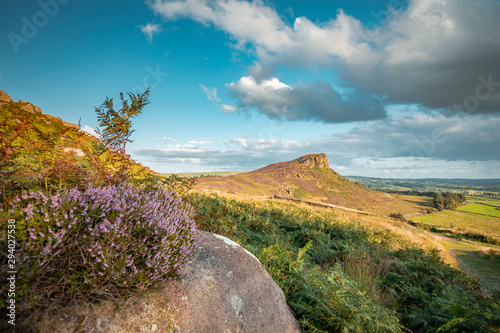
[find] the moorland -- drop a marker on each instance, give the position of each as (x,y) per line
(348,258)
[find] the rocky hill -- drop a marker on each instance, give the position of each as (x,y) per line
(27,106)
(310,178)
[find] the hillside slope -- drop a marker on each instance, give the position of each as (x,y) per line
(42,152)
(310,178)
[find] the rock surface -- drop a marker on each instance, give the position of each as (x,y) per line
(313,160)
(27,106)
(224,289)
(4,98)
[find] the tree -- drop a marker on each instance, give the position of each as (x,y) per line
(117,125)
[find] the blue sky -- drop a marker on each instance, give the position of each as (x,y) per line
(401,89)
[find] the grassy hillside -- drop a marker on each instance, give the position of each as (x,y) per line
(341,271)
(204,174)
(486,201)
(474,232)
(463,221)
(310,178)
(346,272)
(38,151)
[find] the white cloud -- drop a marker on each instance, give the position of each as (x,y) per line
(203,141)
(211,93)
(310,100)
(246,21)
(90,130)
(149,30)
(408,146)
(431,53)
(228,108)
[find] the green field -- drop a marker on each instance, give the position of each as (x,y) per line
(463,221)
(480,217)
(486,201)
(479,208)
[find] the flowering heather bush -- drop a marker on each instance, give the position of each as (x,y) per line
(103,241)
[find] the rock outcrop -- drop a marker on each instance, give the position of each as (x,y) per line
(4,98)
(27,106)
(313,160)
(224,289)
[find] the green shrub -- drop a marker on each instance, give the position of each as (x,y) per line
(325,301)
(340,277)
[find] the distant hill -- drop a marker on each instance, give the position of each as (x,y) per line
(310,178)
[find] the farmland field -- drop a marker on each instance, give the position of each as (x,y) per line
(463,220)
(486,201)
(479,208)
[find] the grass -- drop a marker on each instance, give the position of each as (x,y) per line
(463,226)
(482,260)
(486,201)
(481,209)
(346,272)
(299,193)
(205,174)
(463,221)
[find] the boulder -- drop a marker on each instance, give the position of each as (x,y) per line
(4,98)
(27,106)
(224,289)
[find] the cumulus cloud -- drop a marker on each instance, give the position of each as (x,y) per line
(149,30)
(432,52)
(307,101)
(203,141)
(401,145)
(245,21)
(457,138)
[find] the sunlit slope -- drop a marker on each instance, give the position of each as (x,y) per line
(310,178)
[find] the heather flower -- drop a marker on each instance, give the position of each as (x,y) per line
(131,236)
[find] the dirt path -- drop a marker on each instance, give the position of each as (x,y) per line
(464,251)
